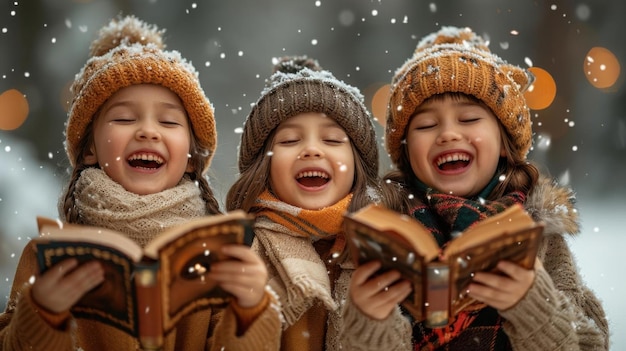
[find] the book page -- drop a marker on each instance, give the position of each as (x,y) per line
(53,230)
(186,260)
(511,220)
(519,247)
(112,302)
(366,244)
(400,228)
(152,249)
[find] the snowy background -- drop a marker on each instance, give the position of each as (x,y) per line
(581,137)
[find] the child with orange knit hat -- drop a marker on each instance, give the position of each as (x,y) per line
(140,137)
(458,131)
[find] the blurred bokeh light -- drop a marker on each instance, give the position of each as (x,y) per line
(13,109)
(601,67)
(542,91)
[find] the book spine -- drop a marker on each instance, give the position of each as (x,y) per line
(437,295)
(149,306)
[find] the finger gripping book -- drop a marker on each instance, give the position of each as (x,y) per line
(147,290)
(440,277)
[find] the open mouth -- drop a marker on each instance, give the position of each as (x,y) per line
(149,161)
(313,179)
(454,161)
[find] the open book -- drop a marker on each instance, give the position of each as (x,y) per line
(440,277)
(146,291)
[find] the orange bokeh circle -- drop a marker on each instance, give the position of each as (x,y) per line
(13,109)
(379,104)
(542,92)
(601,67)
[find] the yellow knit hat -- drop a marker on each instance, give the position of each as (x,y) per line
(457,60)
(128,52)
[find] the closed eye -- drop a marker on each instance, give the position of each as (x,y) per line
(425,127)
(470,120)
(123,120)
(337,141)
(287,142)
(171,123)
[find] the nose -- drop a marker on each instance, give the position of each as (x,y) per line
(311,151)
(448,134)
(147,131)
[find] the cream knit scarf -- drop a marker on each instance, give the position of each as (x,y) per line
(105,203)
(286,234)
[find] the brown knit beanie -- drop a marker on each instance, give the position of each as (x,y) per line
(299,85)
(128,52)
(456,60)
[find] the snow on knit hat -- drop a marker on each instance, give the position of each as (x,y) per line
(457,60)
(128,52)
(299,85)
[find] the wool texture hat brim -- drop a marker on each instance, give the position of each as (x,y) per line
(455,60)
(125,63)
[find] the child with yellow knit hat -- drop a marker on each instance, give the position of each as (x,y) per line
(458,131)
(140,137)
(307,155)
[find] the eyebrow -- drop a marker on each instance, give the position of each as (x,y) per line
(455,103)
(168,105)
(328,124)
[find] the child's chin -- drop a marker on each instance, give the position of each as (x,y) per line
(144,190)
(318,205)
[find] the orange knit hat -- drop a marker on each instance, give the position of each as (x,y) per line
(128,52)
(457,60)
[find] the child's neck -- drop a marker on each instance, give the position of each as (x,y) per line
(424,189)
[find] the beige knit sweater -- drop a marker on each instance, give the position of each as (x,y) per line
(559,312)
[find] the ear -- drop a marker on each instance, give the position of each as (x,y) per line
(502,149)
(90,156)
(190,168)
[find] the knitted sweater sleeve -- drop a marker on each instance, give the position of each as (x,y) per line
(361,333)
(560,264)
(558,312)
(263,333)
(21,325)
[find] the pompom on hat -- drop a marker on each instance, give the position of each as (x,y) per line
(299,85)
(128,52)
(456,60)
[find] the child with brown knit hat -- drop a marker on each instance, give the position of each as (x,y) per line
(140,137)
(307,155)
(458,131)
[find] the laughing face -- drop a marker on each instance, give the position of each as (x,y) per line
(454,145)
(312,164)
(142,139)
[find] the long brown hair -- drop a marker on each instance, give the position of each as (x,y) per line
(254,180)
(519,173)
(67,202)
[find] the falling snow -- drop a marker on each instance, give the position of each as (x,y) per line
(582,145)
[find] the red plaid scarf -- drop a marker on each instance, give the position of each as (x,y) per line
(446,215)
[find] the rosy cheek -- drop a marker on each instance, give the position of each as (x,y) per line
(342,167)
(476,140)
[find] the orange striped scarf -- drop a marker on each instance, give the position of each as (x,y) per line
(313,224)
(284,235)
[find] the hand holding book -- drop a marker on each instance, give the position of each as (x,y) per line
(504,288)
(59,288)
(146,291)
(440,277)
